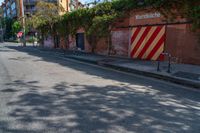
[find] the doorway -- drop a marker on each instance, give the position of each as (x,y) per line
(80,41)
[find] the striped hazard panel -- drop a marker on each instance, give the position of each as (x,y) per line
(147,42)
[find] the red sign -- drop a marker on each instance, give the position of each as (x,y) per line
(19,34)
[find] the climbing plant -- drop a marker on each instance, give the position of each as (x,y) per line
(189,9)
(98,20)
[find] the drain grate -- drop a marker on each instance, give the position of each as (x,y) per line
(192,76)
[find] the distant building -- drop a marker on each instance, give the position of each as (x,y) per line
(9,8)
(13,8)
(1,12)
(30,6)
(74,5)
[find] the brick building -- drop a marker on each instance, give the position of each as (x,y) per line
(145,35)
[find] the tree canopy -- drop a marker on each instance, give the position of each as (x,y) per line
(46,16)
(189,9)
(16,27)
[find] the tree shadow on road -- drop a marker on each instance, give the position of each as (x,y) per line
(104,73)
(82,108)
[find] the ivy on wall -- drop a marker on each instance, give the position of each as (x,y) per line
(98,20)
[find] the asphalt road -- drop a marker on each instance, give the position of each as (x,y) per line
(42,93)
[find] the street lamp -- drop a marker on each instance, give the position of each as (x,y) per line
(23,23)
(1,30)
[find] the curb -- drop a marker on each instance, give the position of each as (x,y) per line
(83,60)
(177,80)
(172,79)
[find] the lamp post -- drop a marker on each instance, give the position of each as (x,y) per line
(23,23)
(1,30)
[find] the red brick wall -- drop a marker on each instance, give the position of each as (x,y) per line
(62,43)
(180,41)
(134,22)
(102,47)
(120,42)
(183,44)
(48,42)
(72,42)
(120,39)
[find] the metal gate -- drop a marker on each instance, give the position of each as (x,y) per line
(147,42)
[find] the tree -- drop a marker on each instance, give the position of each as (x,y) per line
(47,14)
(63,28)
(102,24)
(101,28)
(99,20)
(8,28)
(16,27)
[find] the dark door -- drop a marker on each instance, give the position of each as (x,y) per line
(80,41)
(57,41)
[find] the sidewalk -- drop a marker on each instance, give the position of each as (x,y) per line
(188,75)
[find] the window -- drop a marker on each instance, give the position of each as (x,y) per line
(8,11)
(13,6)
(8,4)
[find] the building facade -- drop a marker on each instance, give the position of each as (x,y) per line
(9,8)
(13,8)
(30,6)
(146,35)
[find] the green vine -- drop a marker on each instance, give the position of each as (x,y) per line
(98,20)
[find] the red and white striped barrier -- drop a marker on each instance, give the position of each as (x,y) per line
(147,42)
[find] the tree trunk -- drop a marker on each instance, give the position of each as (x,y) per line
(109,43)
(53,35)
(42,39)
(94,43)
(67,42)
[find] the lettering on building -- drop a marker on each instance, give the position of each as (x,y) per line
(148,16)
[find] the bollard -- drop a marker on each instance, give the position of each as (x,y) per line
(158,67)
(169,64)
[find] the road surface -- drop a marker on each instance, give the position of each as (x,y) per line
(43,93)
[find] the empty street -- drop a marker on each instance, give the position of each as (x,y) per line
(41,92)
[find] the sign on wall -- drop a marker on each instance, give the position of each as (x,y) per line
(148,16)
(147,42)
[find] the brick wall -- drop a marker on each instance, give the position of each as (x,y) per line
(180,41)
(48,42)
(120,42)
(183,44)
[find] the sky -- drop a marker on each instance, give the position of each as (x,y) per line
(83,1)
